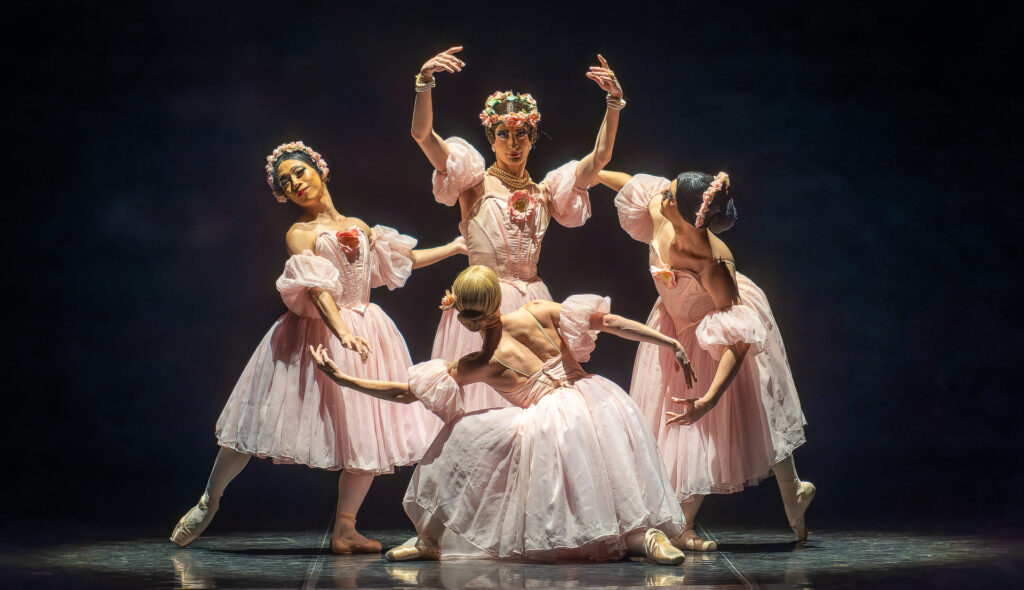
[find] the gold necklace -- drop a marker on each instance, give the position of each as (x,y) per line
(508,179)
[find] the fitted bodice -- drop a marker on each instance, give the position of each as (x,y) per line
(494,239)
(557,372)
(353,288)
(683,296)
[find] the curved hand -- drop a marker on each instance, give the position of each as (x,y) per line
(460,246)
(684,361)
(445,61)
(323,361)
(357,344)
(605,78)
(694,409)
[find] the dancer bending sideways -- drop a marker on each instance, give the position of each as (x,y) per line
(743,416)
(571,472)
(505,214)
(282,407)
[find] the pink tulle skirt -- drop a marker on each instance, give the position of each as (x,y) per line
(756,423)
(564,479)
(453,341)
(284,408)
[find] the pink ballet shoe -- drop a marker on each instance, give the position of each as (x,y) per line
(347,545)
(690,541)
(659,549)
(195,521)
(797,496)
(416,552)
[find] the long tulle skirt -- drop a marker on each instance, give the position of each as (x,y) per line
(284,408)
(757,422)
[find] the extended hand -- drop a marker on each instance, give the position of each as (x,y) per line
(323,360)
(445,60)
(684,361)
(605,78)
(694,409)
(357,344)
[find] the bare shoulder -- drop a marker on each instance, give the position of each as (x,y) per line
(543,309)
(719,250)
(355,221)
(299,238)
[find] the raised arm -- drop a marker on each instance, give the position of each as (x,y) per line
(427,256)
(592,163)
(299,241)
(613,180)
(423,111)
(391,391)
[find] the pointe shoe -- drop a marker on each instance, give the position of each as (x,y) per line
(346,546)
(194,522)
(693,542)
(797,496)
(413,553)
(659,549)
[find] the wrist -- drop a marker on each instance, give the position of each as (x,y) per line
(424,82)
(615,103)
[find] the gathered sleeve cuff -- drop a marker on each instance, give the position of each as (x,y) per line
(574,322)
(431,383)
(570,206)
(632,202)
(463,169)
(390,257)
(725,327)
(301,273)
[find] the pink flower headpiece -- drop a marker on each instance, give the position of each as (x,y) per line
(280,152)
(448,301)
(527,115)
(720,182)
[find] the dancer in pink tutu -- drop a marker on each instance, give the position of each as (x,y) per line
(742,418)
(505,214)
(282,407)
(570,472)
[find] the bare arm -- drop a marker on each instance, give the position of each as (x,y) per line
(427,256)
(592,163)
(391,391)
(613,180)
(633,330)
(423,111)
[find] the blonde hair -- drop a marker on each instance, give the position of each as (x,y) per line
(477,291)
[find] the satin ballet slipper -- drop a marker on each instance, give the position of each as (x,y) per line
(413,553)
(194,522)
(797,496)
(659,549)
(692,542)
(348,546)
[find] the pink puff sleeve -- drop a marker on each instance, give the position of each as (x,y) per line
(431,383)
(574,322)
(739,323)
(463,169)
(390,257)
(570,206)
(632,202)
(301,273)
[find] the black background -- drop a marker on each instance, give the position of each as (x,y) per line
(873,149)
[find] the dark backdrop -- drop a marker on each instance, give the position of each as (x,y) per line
(872,147)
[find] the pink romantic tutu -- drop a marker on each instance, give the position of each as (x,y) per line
(564,474)
(284,408)
(758,420)
(511,247)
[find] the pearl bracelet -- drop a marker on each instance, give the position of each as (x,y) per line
(422,86)
(615,103)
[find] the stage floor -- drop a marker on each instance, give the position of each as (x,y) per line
(747,559)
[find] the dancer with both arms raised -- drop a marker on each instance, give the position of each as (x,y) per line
(284,409)
(746,418)
(571,472)
(505,214)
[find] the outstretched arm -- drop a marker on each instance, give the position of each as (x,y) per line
(423,111)
(391,391)
(613,180)
(633,330)
(592,163)
(427,256)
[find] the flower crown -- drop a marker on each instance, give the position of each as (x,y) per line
(721,181)
(290,147)
(448,301)
(528,115)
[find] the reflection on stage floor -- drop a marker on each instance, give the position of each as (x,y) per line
(747,559)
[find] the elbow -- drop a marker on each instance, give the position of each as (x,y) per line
(314,293)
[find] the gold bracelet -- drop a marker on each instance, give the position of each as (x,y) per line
(615,103)
(423,86)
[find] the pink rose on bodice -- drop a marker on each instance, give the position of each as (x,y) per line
(521,206)
(349,240)
(664,275)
